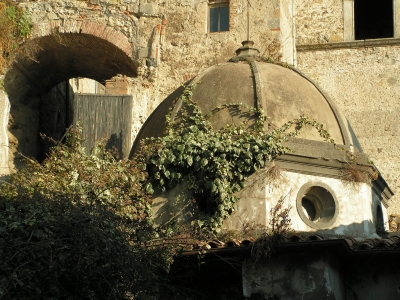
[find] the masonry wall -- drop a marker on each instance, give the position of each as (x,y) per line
(362,78)
(319,21)
(172,36)
(168,42)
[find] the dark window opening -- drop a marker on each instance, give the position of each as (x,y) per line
(380,224)
(309,209)
(373,19)
(219,18)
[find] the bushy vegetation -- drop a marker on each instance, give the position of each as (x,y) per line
(79,226)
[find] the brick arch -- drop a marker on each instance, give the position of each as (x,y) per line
(99,30)
(58,50)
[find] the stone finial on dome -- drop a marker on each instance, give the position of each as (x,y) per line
(247,50)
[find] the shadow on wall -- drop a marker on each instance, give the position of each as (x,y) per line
(114,144)
(318,266)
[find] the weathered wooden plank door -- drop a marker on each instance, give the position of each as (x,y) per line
(105,117)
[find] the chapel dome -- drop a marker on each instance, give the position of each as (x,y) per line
(283,92)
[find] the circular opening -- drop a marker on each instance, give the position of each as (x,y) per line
(316,206)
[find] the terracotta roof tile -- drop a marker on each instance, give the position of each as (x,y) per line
(390,243)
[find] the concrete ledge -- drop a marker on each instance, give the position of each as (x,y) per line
(349,45)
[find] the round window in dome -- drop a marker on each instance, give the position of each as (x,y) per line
(317,205)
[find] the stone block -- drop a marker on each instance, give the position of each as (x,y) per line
(117,86)
(274,23)
(132,8)
(143,52)
(147,9)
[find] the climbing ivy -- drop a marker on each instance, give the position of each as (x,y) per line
(215,163)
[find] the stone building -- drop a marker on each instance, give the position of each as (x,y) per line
(137,52)
(158,45)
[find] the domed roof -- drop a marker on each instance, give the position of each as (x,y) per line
(281,91)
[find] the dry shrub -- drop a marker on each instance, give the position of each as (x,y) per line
(6,26)
(280,222)
(250,231)
(278,228)
(394,221)
(354,173)
(356,170)
(273,173)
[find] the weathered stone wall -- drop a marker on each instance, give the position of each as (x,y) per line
(172,36)
(319,275)
(364,83)
(319,21)
(122,18)
(294,276)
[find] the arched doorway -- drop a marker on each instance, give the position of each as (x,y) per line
(39,89)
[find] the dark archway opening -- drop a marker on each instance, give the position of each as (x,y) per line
(39,89)
(373,19)
(56,111)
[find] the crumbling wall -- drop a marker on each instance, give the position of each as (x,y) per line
(4,142)
(294,276)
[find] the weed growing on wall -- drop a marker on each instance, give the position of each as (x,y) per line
(15,27)
(278,228)
(215,163)
(355,170)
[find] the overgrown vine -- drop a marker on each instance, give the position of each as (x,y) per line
(215,163)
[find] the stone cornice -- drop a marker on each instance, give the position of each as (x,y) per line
(349,45)
(332,168)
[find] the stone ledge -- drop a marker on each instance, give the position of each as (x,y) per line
(350,45)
